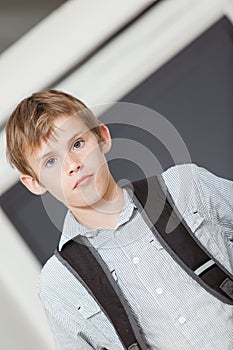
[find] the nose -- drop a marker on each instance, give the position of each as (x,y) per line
(71,163)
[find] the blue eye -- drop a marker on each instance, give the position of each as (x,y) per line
(50,162)
(78,144)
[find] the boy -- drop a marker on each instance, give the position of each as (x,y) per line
(58,145)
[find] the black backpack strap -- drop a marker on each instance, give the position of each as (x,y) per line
(159,212)
(89,268)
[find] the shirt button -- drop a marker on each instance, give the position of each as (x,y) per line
(159,291)
(136,260)
(182,319)
(116,233)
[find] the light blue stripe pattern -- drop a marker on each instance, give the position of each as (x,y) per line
(174,311)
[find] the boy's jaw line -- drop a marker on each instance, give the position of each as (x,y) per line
(102,213)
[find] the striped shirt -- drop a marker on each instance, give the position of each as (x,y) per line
(174,311)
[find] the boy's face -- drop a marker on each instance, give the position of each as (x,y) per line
(72,167)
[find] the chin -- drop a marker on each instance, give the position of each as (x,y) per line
(87,200)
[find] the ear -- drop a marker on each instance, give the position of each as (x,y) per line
(32,184)
(106,141)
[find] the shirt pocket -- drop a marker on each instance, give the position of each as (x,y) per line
(194,221)
(147,245)
(88,308)
(153,242)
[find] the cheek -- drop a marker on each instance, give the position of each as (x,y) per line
(102,178)
(53,183)
(98,162)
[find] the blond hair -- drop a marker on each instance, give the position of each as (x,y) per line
(32,122)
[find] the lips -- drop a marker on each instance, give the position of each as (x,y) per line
(84,180)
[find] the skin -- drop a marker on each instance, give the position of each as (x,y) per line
(61,161)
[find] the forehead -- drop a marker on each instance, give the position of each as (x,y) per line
(64,130)
(64,126)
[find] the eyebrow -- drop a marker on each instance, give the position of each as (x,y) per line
(68,143)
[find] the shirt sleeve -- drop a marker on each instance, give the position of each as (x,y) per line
(217,197)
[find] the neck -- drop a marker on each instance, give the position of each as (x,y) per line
(104,213)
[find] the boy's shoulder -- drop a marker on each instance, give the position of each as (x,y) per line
(181,172)
(55,279)
(181,181)
(59,289)
(51,276)
(190,186)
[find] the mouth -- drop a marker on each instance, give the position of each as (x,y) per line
(83,181)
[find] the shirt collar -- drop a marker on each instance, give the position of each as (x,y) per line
(72,227)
